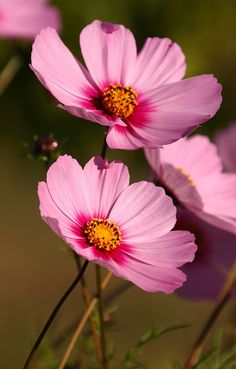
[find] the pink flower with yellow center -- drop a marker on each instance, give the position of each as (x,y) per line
(125,228)
(214,258)
(192,171)
(226,143)
(25,18)
(141,96)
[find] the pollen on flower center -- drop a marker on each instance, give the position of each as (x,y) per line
(119,100)
(190,180)
(102,234)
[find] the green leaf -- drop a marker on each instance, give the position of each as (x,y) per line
(130,359)
(205,358)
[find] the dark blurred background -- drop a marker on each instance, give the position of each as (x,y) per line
(35,268)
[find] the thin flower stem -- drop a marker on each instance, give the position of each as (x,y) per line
(9,71)
(53,315)
(82,323)
(104,146)
(223,298)
(87,300)
(101,317)
(120,290)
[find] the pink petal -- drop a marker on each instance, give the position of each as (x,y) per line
(160,61)
(52,214)
(109,51)
(67,187)
(176,109)
(104,184)
(61,224)
(94,116)
(189,155)
(143,213)
(178,184)
(151,278)
(26,18)
(123,138)
(170,176)
(171,250)
(162,128)
(197,95)
(218,194)
(59,71)
(226,145)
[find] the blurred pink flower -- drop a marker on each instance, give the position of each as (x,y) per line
(214,257)
(141,97)
(125,228)
(25,18)
(226,142)
(192,170)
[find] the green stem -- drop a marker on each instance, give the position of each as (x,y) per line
(104,146)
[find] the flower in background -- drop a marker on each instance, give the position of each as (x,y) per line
(125,228)
(25,18)
(214,257)
(192,171)
(141,97)
(226,142)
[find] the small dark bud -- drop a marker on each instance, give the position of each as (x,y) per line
(46,149)
(45,146)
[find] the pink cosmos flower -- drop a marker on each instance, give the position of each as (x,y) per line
(25,18)
(226,142)
(215,255)
(192,170)
(125,228)
(141,97)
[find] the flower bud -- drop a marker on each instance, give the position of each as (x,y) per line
(45,146)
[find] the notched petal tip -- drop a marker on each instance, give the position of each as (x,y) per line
(109,27)
(102,164)
(47,30)
(99,162)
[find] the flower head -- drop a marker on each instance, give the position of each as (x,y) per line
(226,143)
(126,228)
(192,170)
(141,97)
(25,18)
(214,257)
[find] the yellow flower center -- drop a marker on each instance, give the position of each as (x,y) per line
(119,100)
(102,234)
(190,180)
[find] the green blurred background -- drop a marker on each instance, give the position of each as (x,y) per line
(35,269)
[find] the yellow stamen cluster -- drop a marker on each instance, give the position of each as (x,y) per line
(102,234)
(190,180)
(119,100)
